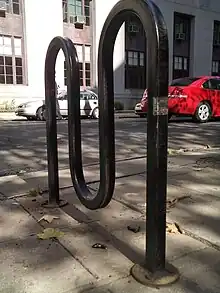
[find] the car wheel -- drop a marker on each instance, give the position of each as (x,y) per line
(203,112)
(30,118)
(142,115)
(40,114)
(95,113)
(169,116)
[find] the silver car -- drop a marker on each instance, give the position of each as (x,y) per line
(35,109)
(88,104)
(138,111)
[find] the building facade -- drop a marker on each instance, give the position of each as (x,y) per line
(194,44)
(26,29)
(28,26)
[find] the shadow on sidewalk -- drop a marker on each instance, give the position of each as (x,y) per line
(23,146)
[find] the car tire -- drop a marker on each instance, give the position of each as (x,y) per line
(95,113)
(40,114)
(142,115)
(169,116)
(30,118)
(203,112)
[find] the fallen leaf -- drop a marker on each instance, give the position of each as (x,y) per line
(49,233)
(34,192)
(99,246)
(173,202)
(197,169)
(181,231)
(134,228)
(171,151)
(48,218)
(173,228)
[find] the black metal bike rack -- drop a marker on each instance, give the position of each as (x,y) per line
(154,270)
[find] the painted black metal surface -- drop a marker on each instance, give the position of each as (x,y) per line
(156,128)
(106,133)
(51,127)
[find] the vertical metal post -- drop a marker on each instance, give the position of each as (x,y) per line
(153,271)
(51,129)
(50,105)
(157,136)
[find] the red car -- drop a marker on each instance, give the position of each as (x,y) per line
(198,97)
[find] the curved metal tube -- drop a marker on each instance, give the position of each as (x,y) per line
(156,32)
(73,89)
(107,167)
(157,128)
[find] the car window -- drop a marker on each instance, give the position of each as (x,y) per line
(206,84)
(214,84)
(84,97)
(62,98)
(184,81)
(93,97)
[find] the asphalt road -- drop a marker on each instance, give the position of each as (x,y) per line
(23,143)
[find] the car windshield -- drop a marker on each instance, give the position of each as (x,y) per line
(184,81)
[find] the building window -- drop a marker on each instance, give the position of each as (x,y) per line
(216,49)
(79,49)
(215,67)
(76,11)
(182,27)
(181,45)
(180,63)
(13,6)
(180,66)
(11,63)
(84,57)
(87,11)
(87,65)
(135,70)
(216,34)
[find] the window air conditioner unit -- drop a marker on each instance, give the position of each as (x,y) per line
(3,6)
(133,28)
(180,36)
(79,19)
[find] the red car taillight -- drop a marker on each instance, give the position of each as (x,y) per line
(177,93)
(144,99)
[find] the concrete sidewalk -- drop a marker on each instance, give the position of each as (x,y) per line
(70,263)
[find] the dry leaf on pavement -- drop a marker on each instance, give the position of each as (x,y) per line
(35,192)
(173,228)
(99,246)
(171,151)
(173,202)
(48,218)
(49,233)
(197,169)
(134,228)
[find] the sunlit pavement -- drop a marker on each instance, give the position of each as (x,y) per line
(23,143)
